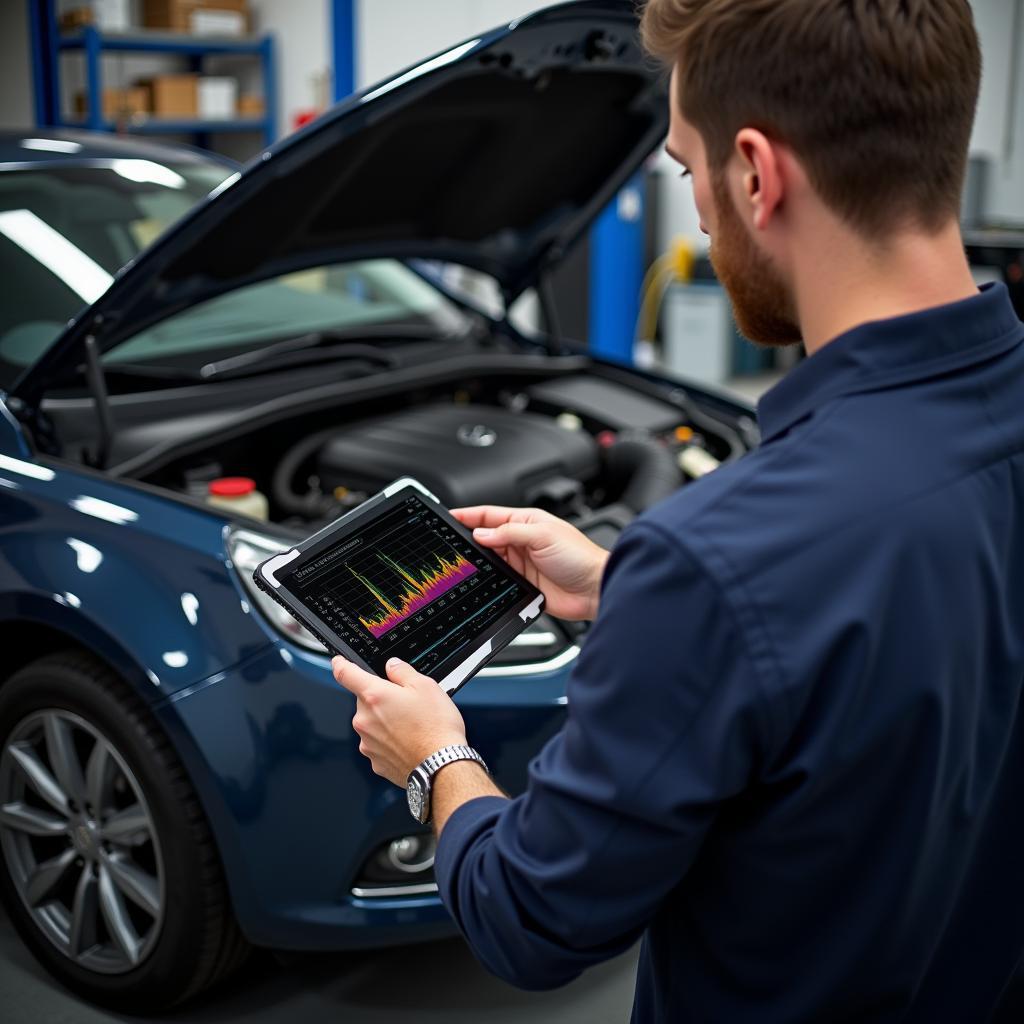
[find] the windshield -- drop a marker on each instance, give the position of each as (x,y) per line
(367,295)
(66,229)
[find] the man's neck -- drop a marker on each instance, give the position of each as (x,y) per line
(844,282)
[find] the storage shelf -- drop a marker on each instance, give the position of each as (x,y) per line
(164,42)
(51,49)
(172,126)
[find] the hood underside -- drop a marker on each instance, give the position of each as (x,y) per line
(495,155)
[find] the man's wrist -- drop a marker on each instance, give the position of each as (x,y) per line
(456,784)
(424,751)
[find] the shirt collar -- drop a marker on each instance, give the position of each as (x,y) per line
(883,353)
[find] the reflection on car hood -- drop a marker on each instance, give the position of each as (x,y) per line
(496,154)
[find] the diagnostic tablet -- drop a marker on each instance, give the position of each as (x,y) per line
(399,577)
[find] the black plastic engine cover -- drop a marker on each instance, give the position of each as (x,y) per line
(465,454)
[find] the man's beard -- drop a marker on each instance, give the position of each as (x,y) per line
(764,307)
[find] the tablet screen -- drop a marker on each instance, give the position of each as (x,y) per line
(405,584)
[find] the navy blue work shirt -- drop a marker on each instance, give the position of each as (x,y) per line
(794,753)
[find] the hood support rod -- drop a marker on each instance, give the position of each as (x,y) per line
(552,327)
(98,387)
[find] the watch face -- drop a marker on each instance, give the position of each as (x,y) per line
(414,793)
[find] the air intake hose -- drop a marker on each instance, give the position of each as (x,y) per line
(642,471)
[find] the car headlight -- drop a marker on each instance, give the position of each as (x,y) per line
(246,550)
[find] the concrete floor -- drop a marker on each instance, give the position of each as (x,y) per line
(423,984)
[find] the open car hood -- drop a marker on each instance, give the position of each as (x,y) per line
(496,154)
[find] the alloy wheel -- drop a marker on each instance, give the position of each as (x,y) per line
(80,843)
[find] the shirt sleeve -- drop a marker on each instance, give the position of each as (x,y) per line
(664,724)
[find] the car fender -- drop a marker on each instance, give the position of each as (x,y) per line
(101,559)
(35,625)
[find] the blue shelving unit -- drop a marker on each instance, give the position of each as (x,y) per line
(49,44)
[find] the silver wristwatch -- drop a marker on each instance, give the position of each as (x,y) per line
(417,789)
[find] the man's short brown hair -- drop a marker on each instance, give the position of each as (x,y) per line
(875,97)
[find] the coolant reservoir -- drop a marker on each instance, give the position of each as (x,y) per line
(238,494)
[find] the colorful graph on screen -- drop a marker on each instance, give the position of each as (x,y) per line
(421,588)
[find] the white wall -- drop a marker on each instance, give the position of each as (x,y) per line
(999,127)
(16,109)
(303,35)
(390,35)
(393,34)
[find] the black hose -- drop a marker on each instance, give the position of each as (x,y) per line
(643,471)
(312,503)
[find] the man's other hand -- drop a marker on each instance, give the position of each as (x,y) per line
(400,720)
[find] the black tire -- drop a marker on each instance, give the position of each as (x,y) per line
(198,941)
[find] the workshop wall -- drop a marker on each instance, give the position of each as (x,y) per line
(397,33)
(999,128)
(302,30)
(15,66)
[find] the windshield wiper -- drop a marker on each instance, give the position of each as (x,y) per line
(296,351)
(304,349)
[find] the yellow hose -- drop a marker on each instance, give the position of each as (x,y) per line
(676,265)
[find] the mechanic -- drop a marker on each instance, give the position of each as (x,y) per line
(794,753)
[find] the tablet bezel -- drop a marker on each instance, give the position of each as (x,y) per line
(491,641)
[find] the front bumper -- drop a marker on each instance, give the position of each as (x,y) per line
(295,808)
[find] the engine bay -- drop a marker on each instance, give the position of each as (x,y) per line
(591,443)
(586,446)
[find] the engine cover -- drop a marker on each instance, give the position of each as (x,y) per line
(465,454)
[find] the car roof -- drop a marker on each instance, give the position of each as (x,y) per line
(28,147)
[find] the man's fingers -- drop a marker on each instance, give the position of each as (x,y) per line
(519,535)
(494,515)
(404,674)
(483,515)
(355,679)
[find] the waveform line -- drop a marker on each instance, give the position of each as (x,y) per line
(430,585)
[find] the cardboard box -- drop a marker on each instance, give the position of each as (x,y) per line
(79,17)
(106,15)
(217,97)
(251,104)
(173,95)
(177,15)
(117,104)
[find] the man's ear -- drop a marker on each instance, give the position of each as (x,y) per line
(762,177)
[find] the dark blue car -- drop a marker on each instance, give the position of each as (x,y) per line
(179,778)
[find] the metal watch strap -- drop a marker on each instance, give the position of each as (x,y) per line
(446,755)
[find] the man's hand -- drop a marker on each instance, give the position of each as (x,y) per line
(400,720)
(554,556)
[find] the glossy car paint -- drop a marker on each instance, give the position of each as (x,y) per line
(143,580)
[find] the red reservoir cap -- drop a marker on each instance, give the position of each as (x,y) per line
(232,486)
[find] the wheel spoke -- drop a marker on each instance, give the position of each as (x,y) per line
(115,914)
(140,888)
(47,876)
(83,913)
(23,818)
(63,757)
(38,774)
(98,775)
(129,827)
